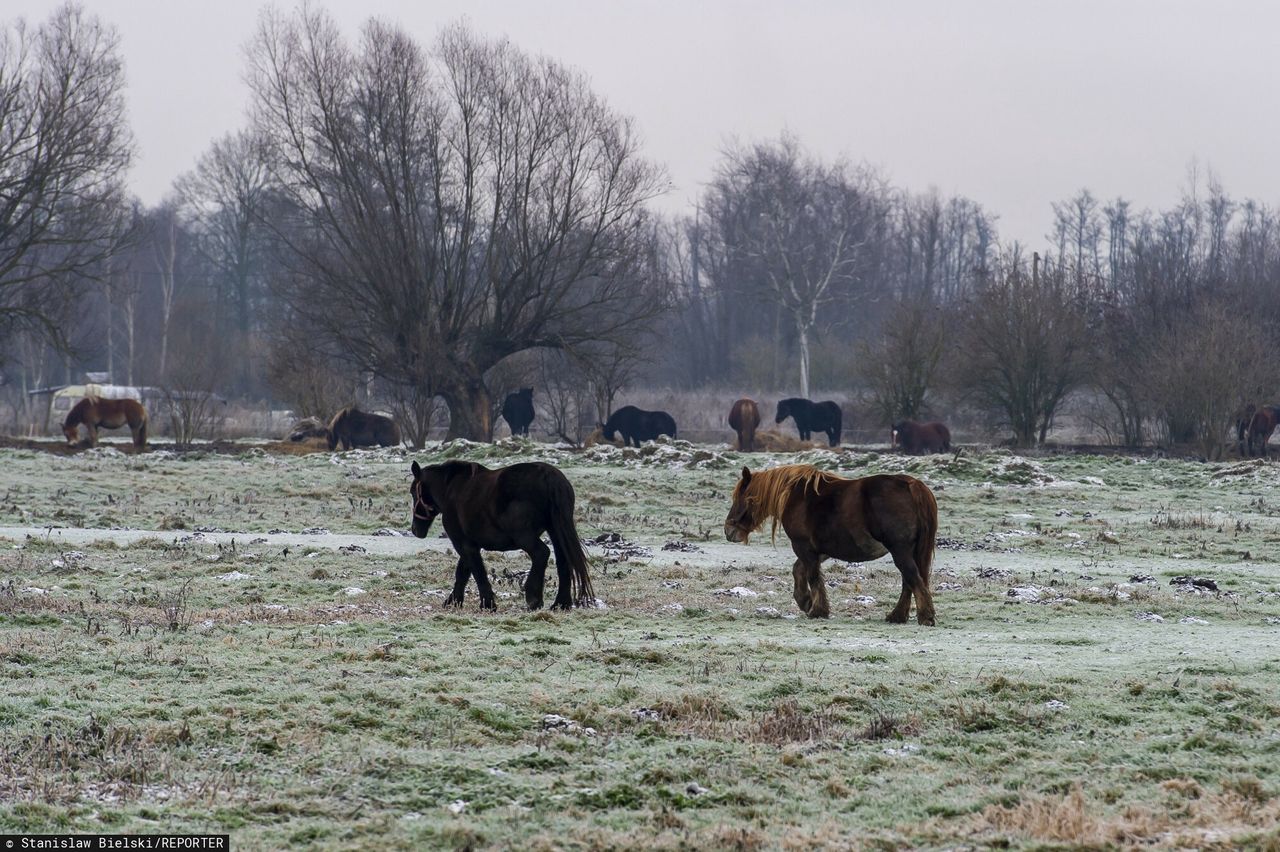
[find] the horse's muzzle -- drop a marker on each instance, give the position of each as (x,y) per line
(421,525)
(735,533)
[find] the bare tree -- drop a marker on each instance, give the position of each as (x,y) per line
(64,150)
(1204,367)
(451,208)
(1023,345)
(225,199)
(900,366)
(803,223)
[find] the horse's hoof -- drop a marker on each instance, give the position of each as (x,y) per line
(452,601)
(564,605)
(896,617)
(533,604)
(926,620)
(820,612)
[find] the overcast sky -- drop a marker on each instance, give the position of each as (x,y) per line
(1014,104)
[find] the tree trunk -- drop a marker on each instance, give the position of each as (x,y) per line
(470,407)
(804,359)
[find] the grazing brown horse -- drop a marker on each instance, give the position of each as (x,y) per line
(1261,425)
(354,428)
(921,438)
(855,520)
(97,413)
(744,417)
(504,509)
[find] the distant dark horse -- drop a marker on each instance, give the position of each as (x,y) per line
(354,428)
(505,509)
(854,520)
(921,438)
(1261,425)
(744,417)
(96,413)
(638,425)
(812,417)
(1243,418)
(517,410)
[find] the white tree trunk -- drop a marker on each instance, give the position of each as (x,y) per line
(804,360)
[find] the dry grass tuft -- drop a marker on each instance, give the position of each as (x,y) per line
(772,441)
(887,726)
(1230,819)
(787,722)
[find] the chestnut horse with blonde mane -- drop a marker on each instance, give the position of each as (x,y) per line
(97,413)
(744,417)
(854,520)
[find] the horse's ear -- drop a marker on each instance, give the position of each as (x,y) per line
(417,470)
(746,475)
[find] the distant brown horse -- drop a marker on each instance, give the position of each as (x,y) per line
(97,413)
(353,428)
(1261,425)
(854,520)
(921,438)
(744,417)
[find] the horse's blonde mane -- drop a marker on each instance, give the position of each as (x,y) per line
(768,491)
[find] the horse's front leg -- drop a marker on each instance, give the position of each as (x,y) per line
(537,579)
(93,434)
(819,607)
(460,575)
(487,598)
(801,592)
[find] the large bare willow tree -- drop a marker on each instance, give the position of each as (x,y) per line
(451,207)
(64,150)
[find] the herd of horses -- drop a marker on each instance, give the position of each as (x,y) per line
(511,508)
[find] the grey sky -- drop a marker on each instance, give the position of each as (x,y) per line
(1014,104)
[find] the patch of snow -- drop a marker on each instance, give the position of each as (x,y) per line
(737,592)
(1150,616)
(232,576)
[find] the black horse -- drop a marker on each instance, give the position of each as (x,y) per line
(638,425)
(812,417)
(504,509)
(355,428)
(517,410)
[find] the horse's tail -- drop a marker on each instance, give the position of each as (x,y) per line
(926,528)
(395,434)
(140,437)
(565,541)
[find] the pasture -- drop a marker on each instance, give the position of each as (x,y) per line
(245,643)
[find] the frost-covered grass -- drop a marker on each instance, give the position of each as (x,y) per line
(300,694)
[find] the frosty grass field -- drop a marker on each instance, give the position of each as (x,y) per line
(226,643)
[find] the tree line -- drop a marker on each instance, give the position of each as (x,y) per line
(427,226)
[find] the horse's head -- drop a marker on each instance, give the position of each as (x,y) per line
(527,393)
(606,430)
(895,431)
(784,410)
(741,520)
(72,431)
(424,510)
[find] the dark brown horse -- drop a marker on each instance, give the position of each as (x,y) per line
(354,428)
(1261,425)
(744,417)
(854,520)
(921,438)
(97,413)
(505,509)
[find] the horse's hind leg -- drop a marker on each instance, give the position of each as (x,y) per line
(913,584)
(460,575)
(537,579)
